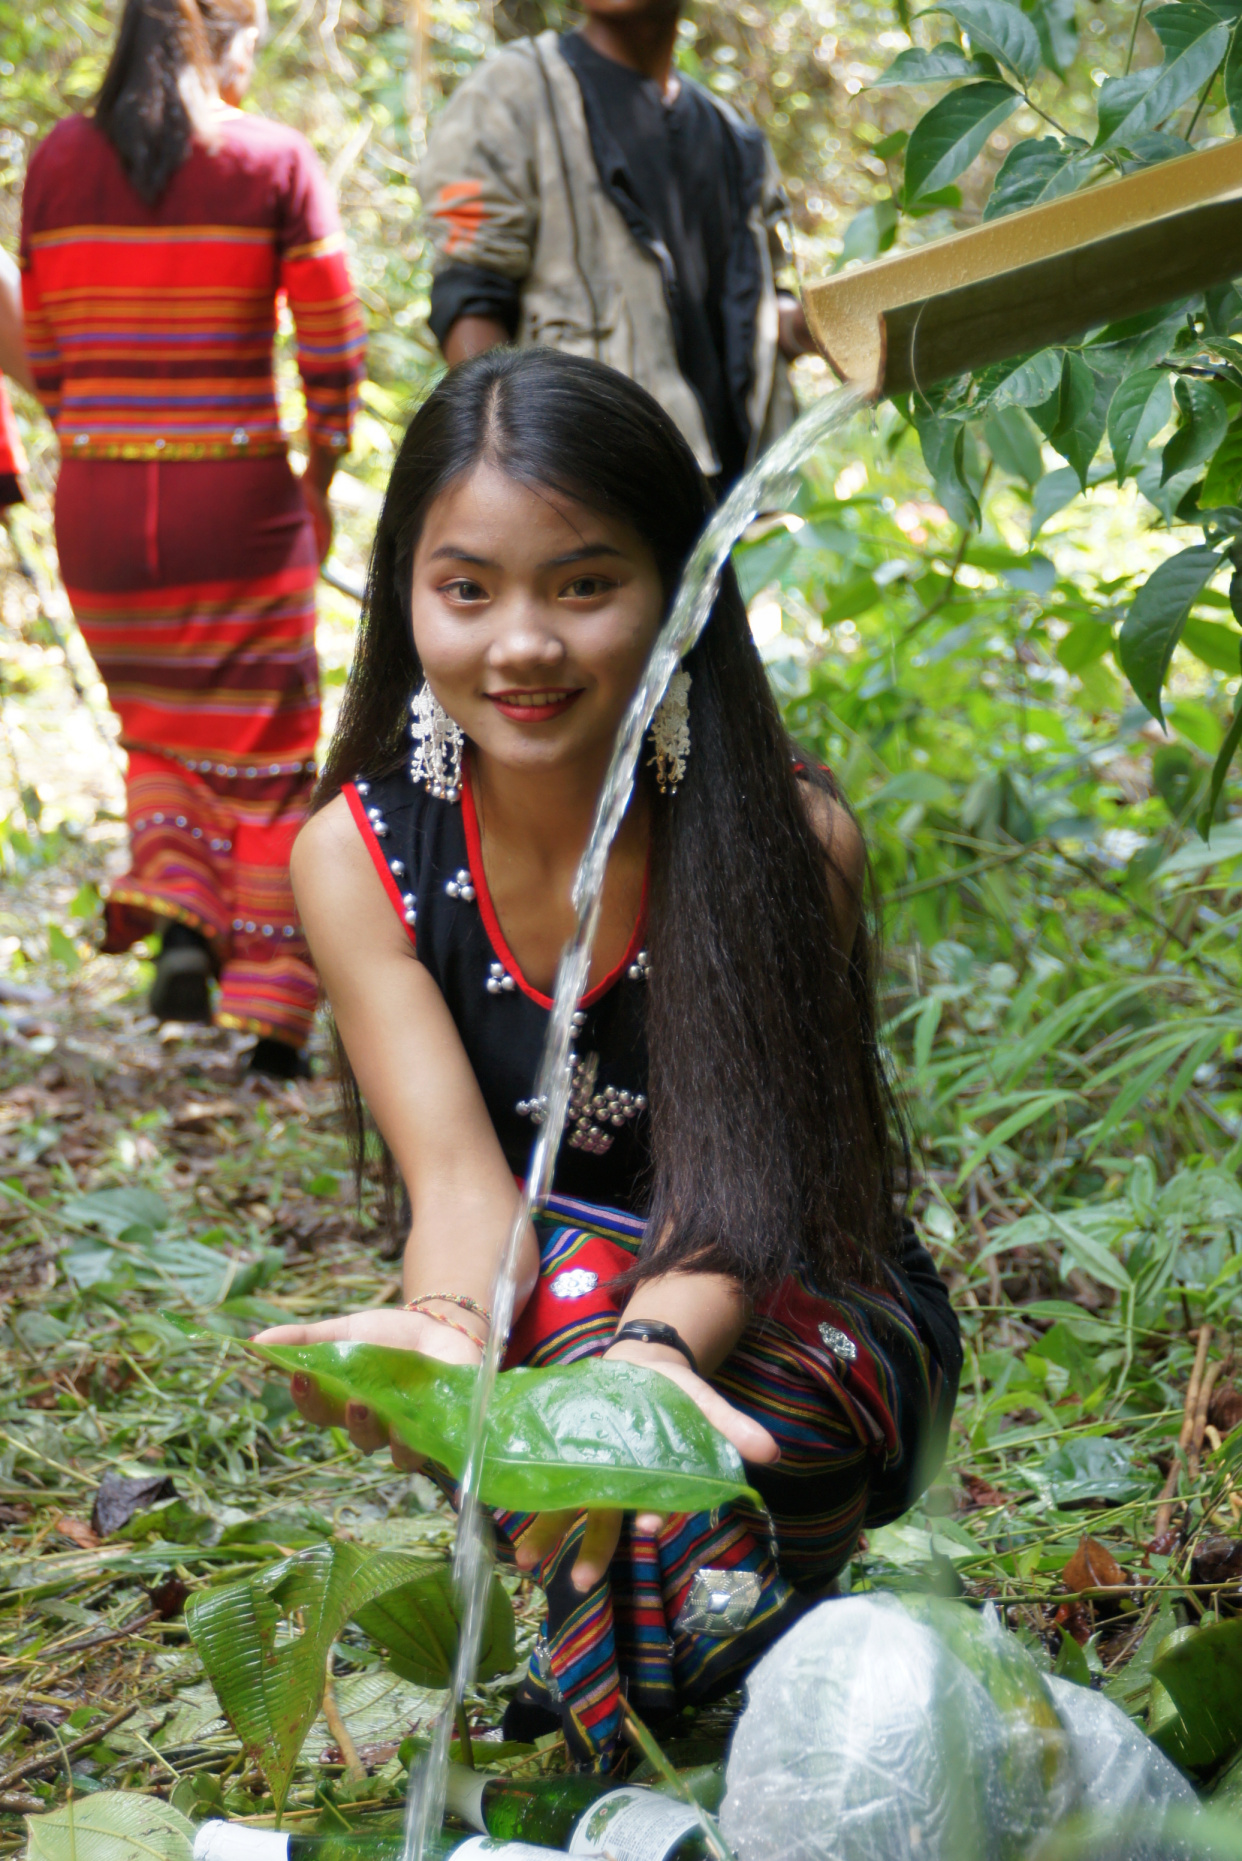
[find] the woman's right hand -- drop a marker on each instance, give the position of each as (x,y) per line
(388,1325)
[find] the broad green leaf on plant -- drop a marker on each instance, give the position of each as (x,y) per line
(1130,1687)
(1031,383)
(1084,644)
(1000,29)
(940,65)
(859,593)
(1220,769)
(1014,444)
(1053,492)
(1083,1469)
(581,1434)
(416,1624)
(943,444)
(870,232)
(1056,23)
(946,141)
(1140,408)
(1039,169)
(264,1642)
(1154,623)
(1195,40)
(1223,484)
(1205,422)
(1233,80)
(1074,420)
(1196,1698)
(114,1210)
(111,1825)
(1216,646)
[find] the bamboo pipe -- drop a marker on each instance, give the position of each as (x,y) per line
(1046,275)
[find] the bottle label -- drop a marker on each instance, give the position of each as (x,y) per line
(492,1848)
(633,1824)
(230,1841)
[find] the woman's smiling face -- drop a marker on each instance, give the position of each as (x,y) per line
(533,617)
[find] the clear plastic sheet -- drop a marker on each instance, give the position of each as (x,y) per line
(1120,1775)
(865,1738)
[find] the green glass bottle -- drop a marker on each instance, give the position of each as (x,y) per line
(578,1815)
(233,1841)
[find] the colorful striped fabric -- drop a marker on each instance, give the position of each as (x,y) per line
(844,1425)
(150,329)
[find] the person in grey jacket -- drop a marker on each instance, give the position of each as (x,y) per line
(583,194)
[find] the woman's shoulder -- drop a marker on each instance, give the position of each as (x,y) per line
(73,140)
(263,139)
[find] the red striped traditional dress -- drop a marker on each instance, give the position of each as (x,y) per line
(12,457)
(185,544)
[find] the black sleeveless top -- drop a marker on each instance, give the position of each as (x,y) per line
(428,856)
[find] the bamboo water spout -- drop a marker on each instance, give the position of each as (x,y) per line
(1045,275)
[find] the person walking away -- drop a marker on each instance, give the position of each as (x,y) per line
(157,236)
(583,194)
(13,363)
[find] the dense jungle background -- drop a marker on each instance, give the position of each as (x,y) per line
(978,609)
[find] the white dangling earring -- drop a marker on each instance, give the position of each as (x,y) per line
(670,734)
(436,761)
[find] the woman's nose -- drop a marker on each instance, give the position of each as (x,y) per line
(523,639)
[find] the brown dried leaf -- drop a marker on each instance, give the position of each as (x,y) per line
(78,1532)
(1225,1408)
(1093,1567)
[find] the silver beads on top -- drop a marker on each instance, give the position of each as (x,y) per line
(593,1117)
(379,826)
(640,968)
(499,981)
(438,742)
(397,868)
(409,909)
(461,885)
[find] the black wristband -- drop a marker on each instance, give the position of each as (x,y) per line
(654,1331)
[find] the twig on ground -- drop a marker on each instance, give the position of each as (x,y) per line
(1164,1511)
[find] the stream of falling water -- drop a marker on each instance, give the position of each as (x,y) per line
(764,487)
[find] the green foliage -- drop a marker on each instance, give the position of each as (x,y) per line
(112,1825)
(1196,1704)
(264,1642)
(1181,365)
(569,1435)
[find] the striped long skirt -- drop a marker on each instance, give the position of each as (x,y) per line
(859,1405)
(193,584)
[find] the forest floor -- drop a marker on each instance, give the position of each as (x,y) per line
(244,1214)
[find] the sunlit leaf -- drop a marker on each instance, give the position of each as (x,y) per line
(1205,417)
(939,65)
(111,1825)
(416,1624)
(1154,623)
(1039,169)
(1195,40)
(870,232)
(1057,25)
(1216,646)
(946,141)
(1141,406)
(1003,30)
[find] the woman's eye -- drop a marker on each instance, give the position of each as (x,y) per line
(462,589)
(587,587)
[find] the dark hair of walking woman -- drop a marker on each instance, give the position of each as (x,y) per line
(169,60)
(775,1138)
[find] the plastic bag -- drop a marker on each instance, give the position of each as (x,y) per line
(1120,1773)
(865,1738)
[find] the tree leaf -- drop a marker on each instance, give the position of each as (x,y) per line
(114,1210)
(1223,484)
(1220,769)
(942,443)
(1014,444)
(1205,423)
(1214,645)
(1053,492)
(997,27)
(954,131)
(1057,25)
(1154,623)
(1196,1706)
(270,1681)
(417,1625)
(870,232)
(1031,383)
(569,1435)
(1233,78)
(1195,40)
(1086,1468)
(1074,421)
(1141,406)
(111,1825)
(1041,168)
(941,64)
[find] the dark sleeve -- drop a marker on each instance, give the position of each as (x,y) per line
(924,1429)
(472,291)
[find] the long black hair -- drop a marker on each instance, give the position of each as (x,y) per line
(145,107)
(773,1126)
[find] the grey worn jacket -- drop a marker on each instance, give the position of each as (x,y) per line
(509,182)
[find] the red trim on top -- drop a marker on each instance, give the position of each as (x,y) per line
(491,923)
(354,803)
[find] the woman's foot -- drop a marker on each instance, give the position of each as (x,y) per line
(183,973)
(276,1059)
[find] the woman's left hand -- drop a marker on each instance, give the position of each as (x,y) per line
(603,1526)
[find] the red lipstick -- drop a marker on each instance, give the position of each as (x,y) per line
(533,707)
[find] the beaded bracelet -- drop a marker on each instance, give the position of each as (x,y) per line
(441,1318)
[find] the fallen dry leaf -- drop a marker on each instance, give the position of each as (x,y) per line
(78,1532)
(1093,1567)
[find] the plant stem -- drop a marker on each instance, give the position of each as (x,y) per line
(1138,14)
(463,1733)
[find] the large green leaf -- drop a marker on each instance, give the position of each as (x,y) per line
(1031,383)
(111,1825)
(264,1642)
(1074,420)
(1220,769)
(1195,40)
(1039,169)
(580,1434)
(1233,78)
(1196,1698)
(1141,406)
(1000,29)
(1057,25)
(114,1210)
(940,65)
(1053,492)
(1014,444)
(1205,421)
(416,1624)
(943,443)
(945,141)
(1154,623)
(870,232)
(1217,646)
